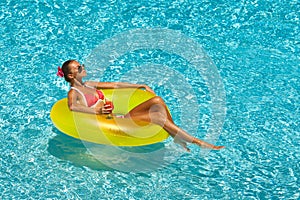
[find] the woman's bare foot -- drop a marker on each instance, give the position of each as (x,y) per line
(206,145)
(182,143)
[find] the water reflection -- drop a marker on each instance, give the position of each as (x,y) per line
(104,157)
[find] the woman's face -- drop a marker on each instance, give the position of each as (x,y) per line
(77,69)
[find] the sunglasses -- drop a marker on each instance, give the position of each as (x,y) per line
(80,68)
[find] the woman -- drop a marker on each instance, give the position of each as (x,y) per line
(87,97)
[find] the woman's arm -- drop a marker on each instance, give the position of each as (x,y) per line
(112,85)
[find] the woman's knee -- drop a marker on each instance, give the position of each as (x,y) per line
(157,100)
(158,118)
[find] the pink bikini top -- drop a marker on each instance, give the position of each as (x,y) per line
(91,99)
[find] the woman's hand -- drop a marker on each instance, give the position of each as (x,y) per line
(108,107)
(147,88)
(104,108)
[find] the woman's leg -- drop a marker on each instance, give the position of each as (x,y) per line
(155,111)
(155,104)
(181,135)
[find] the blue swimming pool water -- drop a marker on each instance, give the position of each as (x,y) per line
(255,48)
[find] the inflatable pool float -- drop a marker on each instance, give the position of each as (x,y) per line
(105,129)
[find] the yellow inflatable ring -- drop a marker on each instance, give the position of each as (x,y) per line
(103,129)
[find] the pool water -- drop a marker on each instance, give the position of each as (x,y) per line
(253,45)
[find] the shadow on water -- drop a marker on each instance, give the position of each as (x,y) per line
(70,149)
(109,158)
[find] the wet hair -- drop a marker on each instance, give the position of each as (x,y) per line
(66,70)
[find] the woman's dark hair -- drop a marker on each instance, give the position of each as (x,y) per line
(66,70)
